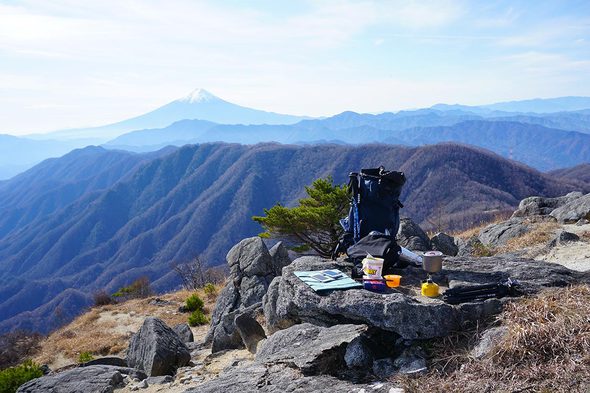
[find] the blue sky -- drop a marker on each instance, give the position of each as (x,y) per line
(69,64)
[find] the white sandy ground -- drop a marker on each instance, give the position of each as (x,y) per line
(573,255)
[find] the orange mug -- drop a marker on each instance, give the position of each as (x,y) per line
(392,280)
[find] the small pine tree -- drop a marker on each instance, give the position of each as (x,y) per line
(314,223)
(194,303)
(210,291)
(197,318)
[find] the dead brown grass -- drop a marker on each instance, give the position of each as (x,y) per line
(476,228)
(106,330)
(541,234)
(547,349)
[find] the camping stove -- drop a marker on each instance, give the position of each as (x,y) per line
(431,263)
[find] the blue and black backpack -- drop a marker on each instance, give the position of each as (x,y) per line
(373,219)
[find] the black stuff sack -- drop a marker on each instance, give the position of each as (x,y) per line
(378,245)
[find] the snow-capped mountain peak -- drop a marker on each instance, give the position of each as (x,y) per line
(199,95)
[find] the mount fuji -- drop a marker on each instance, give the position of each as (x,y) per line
(199,104)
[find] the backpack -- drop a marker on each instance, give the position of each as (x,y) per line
(374,207)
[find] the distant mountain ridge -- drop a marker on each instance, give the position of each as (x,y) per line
(535,145)
(132,215)
(236,122)
(535,105)
(199,104)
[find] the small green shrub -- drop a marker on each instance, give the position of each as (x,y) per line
(195,303)
(138,289)
(210,291)
(85,357)
(197,318)
(12,377)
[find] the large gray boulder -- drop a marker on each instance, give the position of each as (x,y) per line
(184,332)
(280,257)
(156,349)
(563,237)
(411,236)
(310,348)
(404,311)
(252,268)
(499,234)
(445,244)
(541,206)
(99,379)
(573,211)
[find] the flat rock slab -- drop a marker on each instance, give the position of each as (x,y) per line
(280,379)
(403,311)
(310,348)
(96,379)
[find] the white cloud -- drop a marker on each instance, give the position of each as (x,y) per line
(95,62)
(422,14)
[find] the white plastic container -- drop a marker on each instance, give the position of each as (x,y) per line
(373,267)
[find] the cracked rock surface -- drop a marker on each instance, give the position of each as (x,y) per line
(289,301)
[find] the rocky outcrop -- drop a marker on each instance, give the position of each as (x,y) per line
(541,206)
(411,236)
(281,378)
(573,211)
(184,332)
(397,312)
(566,209)
(311,349)
(156,349)
(252,268)
(496,235)
(103,379)
(445,244)
(403,311)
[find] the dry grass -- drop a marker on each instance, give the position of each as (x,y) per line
(474,230)
(106,330)
(547,349)
(541,234)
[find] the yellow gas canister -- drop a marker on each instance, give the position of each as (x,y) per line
(429,288)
